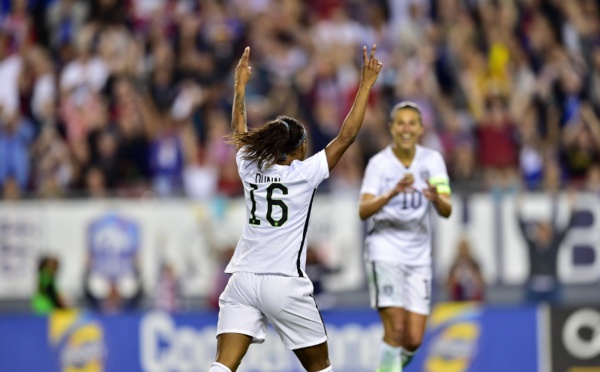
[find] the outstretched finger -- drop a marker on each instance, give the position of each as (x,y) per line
(364,55)
(245,56)
(373,48)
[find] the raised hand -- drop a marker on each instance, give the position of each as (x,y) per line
(349,131)
(371,67)
(243,71)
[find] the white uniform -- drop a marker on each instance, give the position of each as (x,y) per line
(398,243)
(269,283)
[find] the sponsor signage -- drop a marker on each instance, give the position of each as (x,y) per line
(468,338)
(75,341)
(459,339)
(575,339)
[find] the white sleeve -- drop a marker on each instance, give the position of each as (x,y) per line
(315,169)
(371,183)
(242,163)
(239,157)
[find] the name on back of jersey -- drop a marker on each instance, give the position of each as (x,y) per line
(261,178)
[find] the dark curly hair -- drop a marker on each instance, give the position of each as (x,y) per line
(272,142)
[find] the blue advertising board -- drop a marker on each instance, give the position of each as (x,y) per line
(470,338)
(458,339)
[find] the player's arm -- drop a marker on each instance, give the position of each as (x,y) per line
(242,74)
(336,148)
(370,204)
(438,193)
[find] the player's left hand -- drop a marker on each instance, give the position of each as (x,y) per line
(431,192)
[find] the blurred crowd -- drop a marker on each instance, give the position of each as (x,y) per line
(131,98)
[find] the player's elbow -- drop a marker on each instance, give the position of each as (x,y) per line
(446,213)
(347,139)
(363,213)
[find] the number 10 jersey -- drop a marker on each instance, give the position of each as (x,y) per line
(401,231)
(278,205)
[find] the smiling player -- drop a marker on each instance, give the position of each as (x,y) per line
(401,185)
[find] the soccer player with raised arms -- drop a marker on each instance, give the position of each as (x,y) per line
(268,281)
(401,185)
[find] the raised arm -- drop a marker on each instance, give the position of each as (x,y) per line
(336,148)
(242,74)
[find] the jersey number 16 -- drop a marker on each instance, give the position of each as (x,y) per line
(271,203)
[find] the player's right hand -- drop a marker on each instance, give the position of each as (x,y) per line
(405,184)
(243,71)
(371,67)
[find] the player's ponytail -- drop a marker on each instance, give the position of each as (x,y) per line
(272,142)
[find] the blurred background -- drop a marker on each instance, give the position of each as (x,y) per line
(120,201)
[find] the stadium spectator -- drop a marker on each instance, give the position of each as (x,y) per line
(543,240)
(592,182)
(64,19)
(16,135)
(52,171)
(532,148)
(465,281)
(553,176)
(581,141)
(47,297)
(168,296)
(95,183)
(497,142)
(11,189)
(10,70)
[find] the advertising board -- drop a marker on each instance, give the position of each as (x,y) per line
(459,338)
(575,339)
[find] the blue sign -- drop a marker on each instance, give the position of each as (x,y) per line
(458,339)
(470,338)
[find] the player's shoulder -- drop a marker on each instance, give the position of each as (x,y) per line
(245,165)
(311,161)
(429,154)
(382,156)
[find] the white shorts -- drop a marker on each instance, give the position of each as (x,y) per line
(393,284)
(250,301)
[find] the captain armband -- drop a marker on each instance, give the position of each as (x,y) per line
(441,183)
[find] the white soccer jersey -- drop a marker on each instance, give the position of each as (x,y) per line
(401,230)
(278,204)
